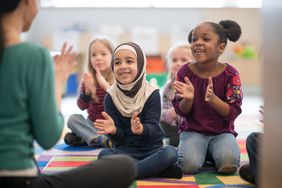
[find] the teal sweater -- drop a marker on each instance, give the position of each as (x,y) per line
(28,108)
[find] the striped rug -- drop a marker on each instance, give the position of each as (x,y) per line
(63,157)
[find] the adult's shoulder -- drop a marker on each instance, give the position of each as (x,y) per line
(31,48)
(36,54)
(29,57)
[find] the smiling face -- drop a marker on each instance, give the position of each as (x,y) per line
(179,57)
(100,56)
(125,66)
(205,44)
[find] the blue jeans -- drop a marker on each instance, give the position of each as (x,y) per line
(195,147)
(149,163)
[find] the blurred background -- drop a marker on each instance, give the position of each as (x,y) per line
(155,25)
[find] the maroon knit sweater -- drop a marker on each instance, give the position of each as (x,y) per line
(94,109)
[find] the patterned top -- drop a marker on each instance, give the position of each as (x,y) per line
(94,109)
(202,117)
(168,95)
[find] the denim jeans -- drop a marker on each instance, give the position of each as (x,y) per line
(195,147)
(149,163)
(83,128)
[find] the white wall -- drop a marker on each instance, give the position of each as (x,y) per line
(50,21)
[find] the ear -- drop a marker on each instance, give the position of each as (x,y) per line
(221,48)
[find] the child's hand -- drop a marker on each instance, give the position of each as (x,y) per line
(184,90)
(64,64)
(261,111)
(105,126)
(136,125)
(172,113)
(209,92)
(101,80)
(88,82)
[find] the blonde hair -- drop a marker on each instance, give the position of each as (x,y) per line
(108,73)
(181,45)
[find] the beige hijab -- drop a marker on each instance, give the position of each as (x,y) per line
(132,97)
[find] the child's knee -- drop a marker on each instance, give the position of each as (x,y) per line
(171,154)
(72,121)
(190,165)
(228,159)
(105,152)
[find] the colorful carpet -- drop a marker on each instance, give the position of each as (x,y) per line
(63,157)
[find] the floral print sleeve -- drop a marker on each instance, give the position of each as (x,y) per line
(234,92)
(234,96)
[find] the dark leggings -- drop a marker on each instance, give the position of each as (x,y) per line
(253,144)
(171,132)
(113,171)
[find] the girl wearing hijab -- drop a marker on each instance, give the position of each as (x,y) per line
(132,115)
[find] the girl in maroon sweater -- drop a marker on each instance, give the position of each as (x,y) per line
(209,98)
(93,89)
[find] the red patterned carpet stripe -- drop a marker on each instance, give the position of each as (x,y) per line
(168,186)
(67,163)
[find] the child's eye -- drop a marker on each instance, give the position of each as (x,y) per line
(129,61)
(116,62)
(207,39)
(104,54)
(194,39)
(93,55)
